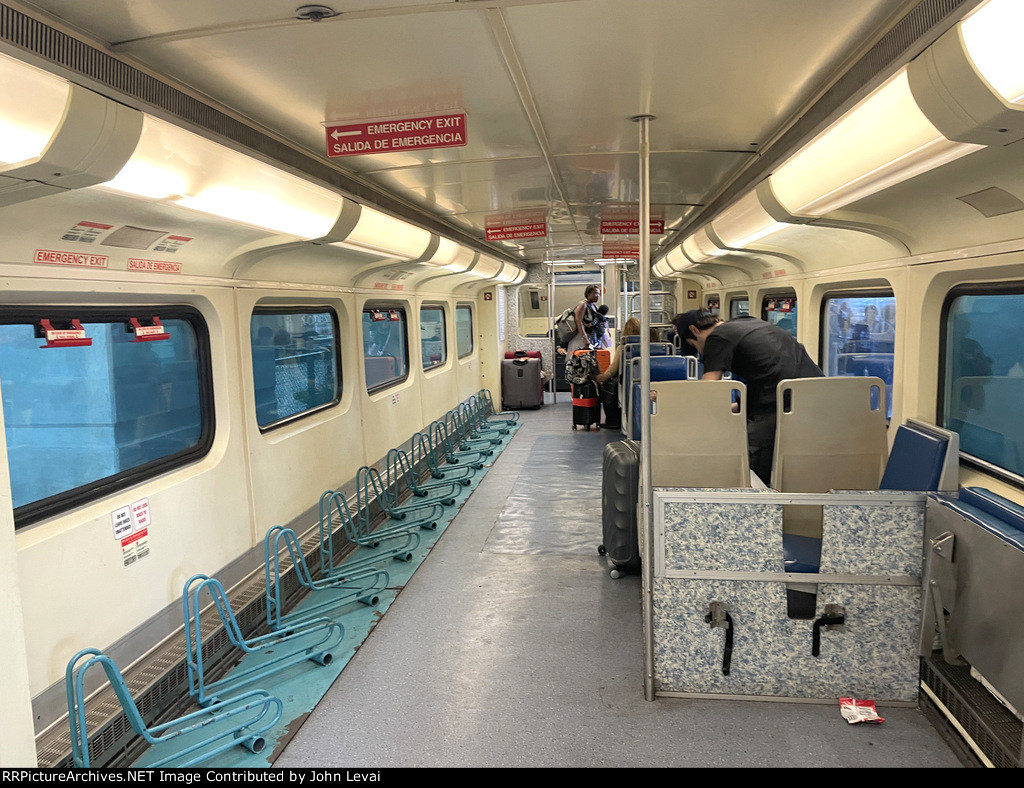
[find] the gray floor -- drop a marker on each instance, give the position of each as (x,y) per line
(512,647)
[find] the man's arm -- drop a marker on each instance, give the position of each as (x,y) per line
(714,375)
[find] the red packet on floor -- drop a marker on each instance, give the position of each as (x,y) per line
(854,710)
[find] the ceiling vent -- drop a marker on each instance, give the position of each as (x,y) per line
(992,202)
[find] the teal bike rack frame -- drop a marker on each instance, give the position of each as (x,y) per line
(484,396)
(334,511)
(370,486)
(442,436)
(289,648)
(351,584)
(245,732)
(423,452)
(399,469)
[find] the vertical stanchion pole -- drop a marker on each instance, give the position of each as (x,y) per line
(551,329)
(644,523)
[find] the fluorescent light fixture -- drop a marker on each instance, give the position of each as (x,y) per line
(451,256)
(700,248)
(486,267)
(677,261)
(662,270)
(992,37)
(32,104)
(510,274)
(563,262)
(379,233)
(178,167)
(884,140)
(745,222)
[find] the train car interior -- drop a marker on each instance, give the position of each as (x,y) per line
(312,462)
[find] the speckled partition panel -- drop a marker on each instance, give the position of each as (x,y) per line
(875,657)
(874,539)
(734,537)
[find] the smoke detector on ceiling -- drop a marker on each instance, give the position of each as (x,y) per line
(314,13)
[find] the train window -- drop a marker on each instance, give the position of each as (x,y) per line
(463,330)
(982,377)
(780,311)
(433,338)
(858,337)
(739,307)
(385,346)
(95,401)
(295,367)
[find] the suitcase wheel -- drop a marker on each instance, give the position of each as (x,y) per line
(601,550)
(615,574)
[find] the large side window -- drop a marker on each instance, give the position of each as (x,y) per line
(982,377)
(385,346)
(858,336)
(780,311)
(739,307)
(97,400)
(433,337)
(295,366)
(463,330)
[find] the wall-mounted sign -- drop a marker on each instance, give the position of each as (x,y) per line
(388,136)
(513,225)
(625,220)
(86,232)
(691,293)
(54,257)
(621,249)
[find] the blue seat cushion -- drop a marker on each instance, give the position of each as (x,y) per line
(1000,517)
(915,462)
(801,553)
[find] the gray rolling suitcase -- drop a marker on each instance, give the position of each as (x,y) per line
(620,490)
(521,383)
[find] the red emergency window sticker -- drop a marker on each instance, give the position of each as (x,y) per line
(376,316)
(393,315)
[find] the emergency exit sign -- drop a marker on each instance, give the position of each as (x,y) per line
(390,136)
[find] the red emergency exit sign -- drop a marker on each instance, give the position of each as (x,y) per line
(389,136)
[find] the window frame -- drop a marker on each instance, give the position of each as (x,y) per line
(955,292)
(444,340)
(876,292)
(398,306)
(301,310)
(777,296)
(472,344)
(59,503)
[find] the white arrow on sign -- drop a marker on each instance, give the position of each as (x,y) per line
(335,134)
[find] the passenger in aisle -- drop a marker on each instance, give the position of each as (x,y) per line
(585,313)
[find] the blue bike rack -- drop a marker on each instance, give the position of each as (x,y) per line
(353,584)
(334,511)
(370,485)
(246,731)
(424,452)
(400,470)
(442,436)
(492,414)
(466,440)
(288,648)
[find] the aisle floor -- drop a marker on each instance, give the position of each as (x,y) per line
(511,646)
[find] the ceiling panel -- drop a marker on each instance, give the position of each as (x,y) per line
(548,86)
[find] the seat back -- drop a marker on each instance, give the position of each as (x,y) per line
(830,434)
(696,438)
(662,368)
(923,457)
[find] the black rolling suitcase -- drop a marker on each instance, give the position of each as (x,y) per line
(620,490)
(521,383)
(586,407)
